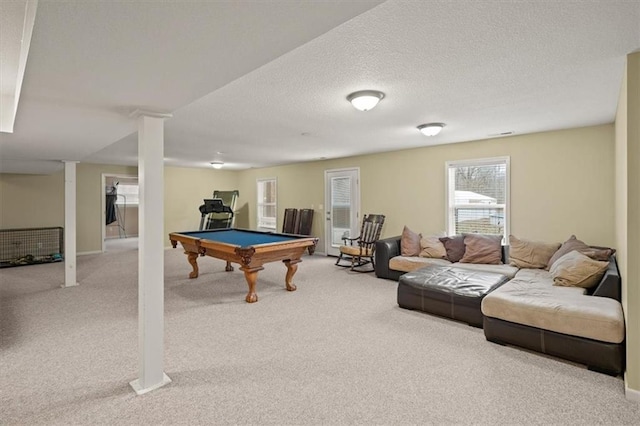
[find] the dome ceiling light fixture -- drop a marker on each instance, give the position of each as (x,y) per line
(431,129)
(364,100)
(217,164)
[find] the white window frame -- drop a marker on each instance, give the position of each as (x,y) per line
(450,205)
(270,225)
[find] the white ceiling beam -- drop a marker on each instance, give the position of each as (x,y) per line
(16,27)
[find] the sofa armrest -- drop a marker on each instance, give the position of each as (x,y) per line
(610,284)
(386,249)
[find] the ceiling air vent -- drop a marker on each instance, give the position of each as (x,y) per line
(493,135)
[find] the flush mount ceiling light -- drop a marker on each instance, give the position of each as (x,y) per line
(431,129)
(217,164)
(364,100)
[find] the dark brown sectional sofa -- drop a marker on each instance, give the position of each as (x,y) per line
(523,309)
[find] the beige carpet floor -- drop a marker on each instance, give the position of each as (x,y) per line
(336,351)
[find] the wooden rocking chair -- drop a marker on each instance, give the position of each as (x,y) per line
(359,251)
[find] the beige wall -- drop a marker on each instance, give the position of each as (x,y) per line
(31,201)
(22,198)
(621,184)
(627,136)
(89,202)
(184,190)
(561,184)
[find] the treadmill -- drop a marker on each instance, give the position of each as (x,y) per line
(219,210)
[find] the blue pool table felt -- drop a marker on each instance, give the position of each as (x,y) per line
(240,238)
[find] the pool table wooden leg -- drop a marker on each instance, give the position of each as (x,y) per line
(193,260)
(229,267)
(251,275)
(292,267)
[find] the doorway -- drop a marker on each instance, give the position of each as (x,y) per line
(342,201)
(119,209)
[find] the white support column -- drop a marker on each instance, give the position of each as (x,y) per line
(70,224)
(150,252)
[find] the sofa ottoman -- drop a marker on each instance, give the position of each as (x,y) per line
(448,291)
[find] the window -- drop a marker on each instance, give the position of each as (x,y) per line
(478,197)
(267,196)
(127,194)
(341,208)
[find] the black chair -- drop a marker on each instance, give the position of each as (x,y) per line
(304,225)
(289,221)
(305,222)
(360,251)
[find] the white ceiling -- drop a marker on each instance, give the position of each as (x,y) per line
(265,83)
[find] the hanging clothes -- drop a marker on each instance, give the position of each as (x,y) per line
(111,209)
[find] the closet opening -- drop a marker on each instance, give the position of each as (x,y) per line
(120,212)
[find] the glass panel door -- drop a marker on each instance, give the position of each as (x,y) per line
(342,201)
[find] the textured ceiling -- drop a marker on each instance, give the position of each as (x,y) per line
(268,85)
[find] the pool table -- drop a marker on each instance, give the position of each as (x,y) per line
(250,249)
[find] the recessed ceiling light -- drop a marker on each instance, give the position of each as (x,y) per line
(501,134)
(217,164)
(431,129)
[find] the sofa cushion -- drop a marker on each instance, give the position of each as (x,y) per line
(454,247)
(447,280)
(575,269)
(431,246)
(597,253)
(531,299)
(411,263)
(506,270)
(409,243)
(530,254)
(484,249)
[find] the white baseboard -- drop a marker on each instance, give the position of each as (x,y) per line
(631,394)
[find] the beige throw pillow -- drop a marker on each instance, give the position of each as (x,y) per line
(432,247)
(479,248)
(575,269)
(530,254)
(596,253)
(409,243)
